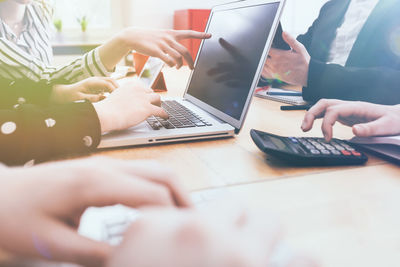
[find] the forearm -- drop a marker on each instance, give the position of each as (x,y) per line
(20,91)
(376,85)
(30,68)
(112,52)
(32,133)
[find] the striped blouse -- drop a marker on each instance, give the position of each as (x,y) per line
(30,55)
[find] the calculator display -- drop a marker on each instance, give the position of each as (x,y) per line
(278,143)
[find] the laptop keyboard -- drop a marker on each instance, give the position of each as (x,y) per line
(179,117)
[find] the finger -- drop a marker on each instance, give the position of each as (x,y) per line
(128,190)
(166,58)
(316,112)
(188,34)
(100,86)
(60,243)
(110,86)
(92,98)
(273,52)
(159,112)
(333,113)
(159,174)
(378,127)
(330,118)
(293,43)
(155,99)
(113,81)
(176,56)
(184,52)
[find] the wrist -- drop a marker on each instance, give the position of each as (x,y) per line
(126,40)
(57,95)
(103,116)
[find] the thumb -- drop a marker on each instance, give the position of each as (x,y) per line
(293,43)
(159,112)
(373,128)
(92,98)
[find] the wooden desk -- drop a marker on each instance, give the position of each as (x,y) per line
(218,163)
(342,216)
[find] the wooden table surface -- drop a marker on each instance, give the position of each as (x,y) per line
(218,163)
(342,216)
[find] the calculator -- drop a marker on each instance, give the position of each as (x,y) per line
(308,151)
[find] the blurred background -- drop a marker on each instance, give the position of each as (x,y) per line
(83,24)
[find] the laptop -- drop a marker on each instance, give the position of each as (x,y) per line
(221,86)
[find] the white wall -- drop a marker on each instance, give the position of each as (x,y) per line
(298,14)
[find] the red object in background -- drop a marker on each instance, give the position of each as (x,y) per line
(139,62)
(191,19)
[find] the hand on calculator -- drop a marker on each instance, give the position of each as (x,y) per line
(366,119)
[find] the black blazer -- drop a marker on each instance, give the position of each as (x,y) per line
(32,130)
(372,71)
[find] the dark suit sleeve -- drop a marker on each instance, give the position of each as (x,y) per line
(378,85)
(29,133)
(307,37)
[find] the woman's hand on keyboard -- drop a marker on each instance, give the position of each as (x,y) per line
(222,238)
(366,119)
(128,106)
(41,207)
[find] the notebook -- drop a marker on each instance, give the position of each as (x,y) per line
(388,147)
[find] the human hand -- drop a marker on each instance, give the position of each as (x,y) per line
(163,44)
(366,119)
(128,106)
(191,238)
(91,89)
(288,66)
(41,207)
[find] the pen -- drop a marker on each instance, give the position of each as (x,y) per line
(285,93)
(302,107)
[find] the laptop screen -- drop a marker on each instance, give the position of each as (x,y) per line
(228,62)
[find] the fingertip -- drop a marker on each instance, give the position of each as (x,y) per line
(304,126)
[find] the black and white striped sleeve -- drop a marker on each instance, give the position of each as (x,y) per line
(17,64)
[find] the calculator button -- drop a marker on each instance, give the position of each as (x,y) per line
(320,147)
(346,153)
(340,148)
(335,152)
(315,152)
(325,152)
(329,147)
(355,153)
(294,140)
(310,147)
